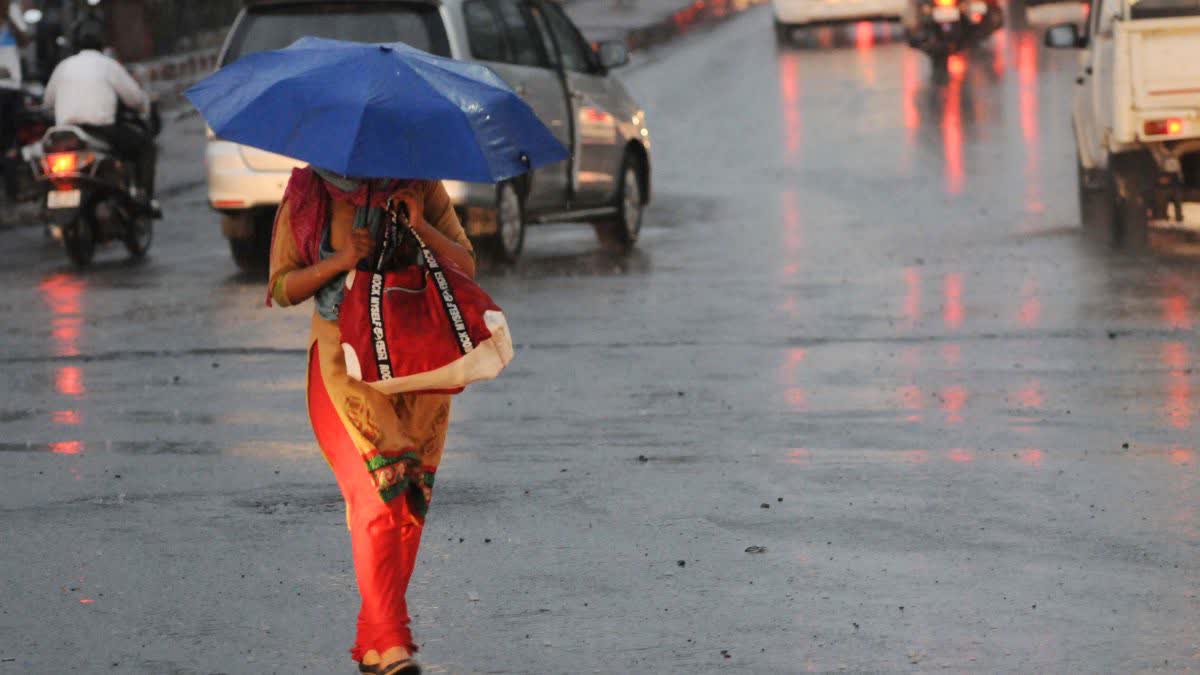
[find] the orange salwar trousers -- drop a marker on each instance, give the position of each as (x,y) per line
(384,535)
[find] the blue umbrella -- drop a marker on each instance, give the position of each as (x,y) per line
(377,111)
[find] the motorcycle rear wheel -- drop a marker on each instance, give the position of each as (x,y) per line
(139,234)
(79,238)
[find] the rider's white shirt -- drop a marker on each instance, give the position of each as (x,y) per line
(85,88)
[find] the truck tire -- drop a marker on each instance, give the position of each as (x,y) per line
(253,254)
(1132,178)
(1095,201)
(783,34)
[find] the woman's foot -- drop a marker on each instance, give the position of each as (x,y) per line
(395,661)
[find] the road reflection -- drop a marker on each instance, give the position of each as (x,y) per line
(1177,407)
(63,296)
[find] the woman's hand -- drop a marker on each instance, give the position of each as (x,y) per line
(359,245)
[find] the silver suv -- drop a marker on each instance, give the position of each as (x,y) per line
(535,47)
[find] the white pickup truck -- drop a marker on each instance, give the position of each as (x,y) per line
(1137,115)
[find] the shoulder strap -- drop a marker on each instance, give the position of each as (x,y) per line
(399,215)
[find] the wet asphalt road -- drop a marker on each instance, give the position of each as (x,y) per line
(862,300)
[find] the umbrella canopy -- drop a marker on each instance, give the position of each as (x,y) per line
(377,111)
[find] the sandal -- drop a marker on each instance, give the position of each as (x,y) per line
(406,666)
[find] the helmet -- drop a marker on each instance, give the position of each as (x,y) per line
(89,34)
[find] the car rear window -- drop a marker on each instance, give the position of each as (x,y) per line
(265,28)
(1159,9)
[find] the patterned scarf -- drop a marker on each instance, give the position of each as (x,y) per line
(308,196)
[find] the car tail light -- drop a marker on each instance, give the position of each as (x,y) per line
(1169,127)
(61,163)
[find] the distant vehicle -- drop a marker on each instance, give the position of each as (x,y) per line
(533,46)
(88,197)
(31,123)
(941,28)
(1137,114)
(791,15)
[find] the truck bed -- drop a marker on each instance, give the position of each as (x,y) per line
(1165,62)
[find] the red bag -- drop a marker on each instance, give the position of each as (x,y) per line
(425,327)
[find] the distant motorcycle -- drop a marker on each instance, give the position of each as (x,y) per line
(941,28)
(31,124)
(88,198)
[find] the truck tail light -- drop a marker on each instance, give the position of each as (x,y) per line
(1169,127)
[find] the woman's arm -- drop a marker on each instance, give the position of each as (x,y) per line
(441,230)
(291,281)
(301,284)
(445,248)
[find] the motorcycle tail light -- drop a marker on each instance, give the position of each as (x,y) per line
(1172,126)
(61,163)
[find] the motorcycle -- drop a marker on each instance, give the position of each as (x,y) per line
(31,124)
(941,28)
(88,195)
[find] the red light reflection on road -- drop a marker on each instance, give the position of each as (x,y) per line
(792,232)
(1177,312)
(952,308)
(67,448)
(864,43)
(63,295)
(1181,456)
(960,455)
(954,399)
(910,77)
(69,381)
(1027,71)
(952,134)
(798,456)
(913,400)
(952,354)
(796,397)
(999,48)
(1030,396)
(912,295)
(1031,304)
(1031,456)
(65,417)
(1178,405)
(789,89)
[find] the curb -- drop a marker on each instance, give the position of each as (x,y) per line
(692,16)
(165,79)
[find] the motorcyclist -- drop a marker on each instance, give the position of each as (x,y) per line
(14,34)
(87,89)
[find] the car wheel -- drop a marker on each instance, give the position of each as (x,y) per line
(507,243)
(623,230)
(253,253)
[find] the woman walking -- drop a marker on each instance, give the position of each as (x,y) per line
(374,110)
(384,450)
